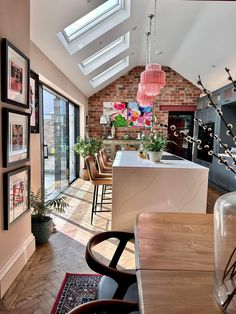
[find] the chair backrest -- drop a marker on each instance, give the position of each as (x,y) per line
(110,306)
(99,162)
(92,170)
(104,156)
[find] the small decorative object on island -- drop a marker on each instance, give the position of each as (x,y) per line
(155,144)
(42,224)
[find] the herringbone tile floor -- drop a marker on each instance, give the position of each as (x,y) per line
(36,287)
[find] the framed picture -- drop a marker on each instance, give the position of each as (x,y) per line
(16,195)
(16,136)
(15,75)
(86,120)
(34,102)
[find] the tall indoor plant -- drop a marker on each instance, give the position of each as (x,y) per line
(87,147)
(41,208)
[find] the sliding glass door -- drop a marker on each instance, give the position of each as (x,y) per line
(58,141)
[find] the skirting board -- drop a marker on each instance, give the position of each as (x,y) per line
(9,273)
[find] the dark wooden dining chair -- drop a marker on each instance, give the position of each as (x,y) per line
(107,306)
(115,284)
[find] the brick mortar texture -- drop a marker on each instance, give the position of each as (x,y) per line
(177,92)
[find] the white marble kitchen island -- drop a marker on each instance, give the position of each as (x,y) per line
(141,185)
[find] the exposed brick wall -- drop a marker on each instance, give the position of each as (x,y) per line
(177,92)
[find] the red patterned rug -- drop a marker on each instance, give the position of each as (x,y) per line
(76,289)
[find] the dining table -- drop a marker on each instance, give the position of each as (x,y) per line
(174,255)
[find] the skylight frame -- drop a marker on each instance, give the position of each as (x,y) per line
(105,54)
(101,28)
(93,22)
(110,72)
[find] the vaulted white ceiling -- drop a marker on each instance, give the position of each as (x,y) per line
(195,37)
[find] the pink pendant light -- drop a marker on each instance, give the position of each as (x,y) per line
(142,98)
(152,80)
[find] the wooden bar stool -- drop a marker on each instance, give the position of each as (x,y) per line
(97,179)
(101,166)
(103,170)
(106,160)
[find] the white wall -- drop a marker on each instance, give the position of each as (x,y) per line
(16,244)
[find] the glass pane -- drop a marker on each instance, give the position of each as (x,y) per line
(103,51)
(90,17)
(72,171)
(55,144)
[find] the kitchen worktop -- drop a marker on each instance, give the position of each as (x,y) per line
(131,159)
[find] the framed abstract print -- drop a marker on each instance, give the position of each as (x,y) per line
(15,75)
(34,102)
(16,136)
(16,195)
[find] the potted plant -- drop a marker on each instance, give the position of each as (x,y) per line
(41,208)
(87,147)
(155,144)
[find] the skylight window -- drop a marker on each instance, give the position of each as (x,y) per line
(107,74)
(94,24)
(102,56)
(91,19)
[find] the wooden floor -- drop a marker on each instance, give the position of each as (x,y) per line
(36,287)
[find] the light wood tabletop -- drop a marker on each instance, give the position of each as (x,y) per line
(175,261)
(174,292)
(174,241)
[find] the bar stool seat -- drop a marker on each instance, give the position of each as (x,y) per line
(97,179)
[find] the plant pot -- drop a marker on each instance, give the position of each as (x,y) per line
(155,156)
(85,175)
(42,229)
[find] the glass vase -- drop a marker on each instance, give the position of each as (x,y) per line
(225,252)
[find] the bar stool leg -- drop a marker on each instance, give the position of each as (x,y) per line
(102,196)
(93,205)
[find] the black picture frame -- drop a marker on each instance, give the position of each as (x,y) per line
(15,75)
(86,120)
(16,195)
(16,137)
(34,102)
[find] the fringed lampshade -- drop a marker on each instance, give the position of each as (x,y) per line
(142,98)
(152,80)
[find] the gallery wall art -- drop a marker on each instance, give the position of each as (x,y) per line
(16,137)
(15,75)
(128,114)
(16,195)
(117,113)
(139,115)
(34,102)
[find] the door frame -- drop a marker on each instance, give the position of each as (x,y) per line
(41,128)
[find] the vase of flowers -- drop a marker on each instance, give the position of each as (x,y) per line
(155,144)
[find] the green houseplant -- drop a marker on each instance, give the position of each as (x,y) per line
(155,144)
(87,147)
(41,208)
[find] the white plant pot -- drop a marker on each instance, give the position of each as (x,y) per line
(155,156)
